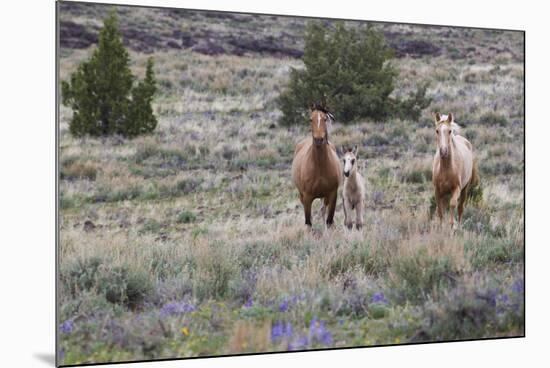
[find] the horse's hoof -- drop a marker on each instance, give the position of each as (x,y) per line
(359,226)
(349,226)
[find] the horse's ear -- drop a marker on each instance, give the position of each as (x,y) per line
(450,118)
(355,150)
(437,118)
(312,107)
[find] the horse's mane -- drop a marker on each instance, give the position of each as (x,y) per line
(455,128)
(324,109)
(321,107)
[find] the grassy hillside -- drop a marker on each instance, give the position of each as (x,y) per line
(190,241)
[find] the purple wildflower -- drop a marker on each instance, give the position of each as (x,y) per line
(492,297)
(503,303)
(67,326)
(283,307)
(379,298)
(319,333)
(299,344)
(249,303)
(280,330)
(176,308)
(288,330)
(518,287)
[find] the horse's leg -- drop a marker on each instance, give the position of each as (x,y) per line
(331,199)
(455,195)
(306,201)
(461,202)
(324,207)
(359,215)
(440,201)
(348,222)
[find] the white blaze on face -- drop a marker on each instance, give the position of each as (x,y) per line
(443,131)
(318,120)
(349,162)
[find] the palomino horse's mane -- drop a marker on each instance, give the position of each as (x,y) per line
(455,128)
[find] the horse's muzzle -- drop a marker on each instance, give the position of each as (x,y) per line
(443,152)
(318,141)
(346,173)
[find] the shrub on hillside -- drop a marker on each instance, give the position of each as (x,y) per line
(349,70)
(102,93)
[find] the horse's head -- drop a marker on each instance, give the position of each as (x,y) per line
(444,126)
(350,160)
(320,120)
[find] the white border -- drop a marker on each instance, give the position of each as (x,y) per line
(27,183)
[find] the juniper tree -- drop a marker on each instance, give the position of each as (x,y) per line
(349,69)
(102,92)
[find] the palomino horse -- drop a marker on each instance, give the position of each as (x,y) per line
(454,169)
(316,168)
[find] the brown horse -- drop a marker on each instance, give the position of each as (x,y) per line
(454,169)
(316,170)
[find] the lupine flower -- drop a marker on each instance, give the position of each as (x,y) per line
(248,303)
(67,326)
(492,296)
(283,307)
(379,298)
(503,303)
(299,344)
(319,333)
(280,330)
(518,287)
(176,308)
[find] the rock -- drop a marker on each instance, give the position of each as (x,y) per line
(89,226)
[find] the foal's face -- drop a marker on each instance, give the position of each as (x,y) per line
(350,162)
(443,133)
(319,129)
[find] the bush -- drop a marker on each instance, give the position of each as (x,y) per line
(150,226)
(81,275)
(186,217)
(214,271)
(492,252)
(72,170)
(102,93)
(493,118)
(360,256)
(471,314)
(348,69)
(119,284)
(417,175)
(122,285)
(420,273)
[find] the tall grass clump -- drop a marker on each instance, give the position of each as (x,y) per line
(419,275)
(120,285)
